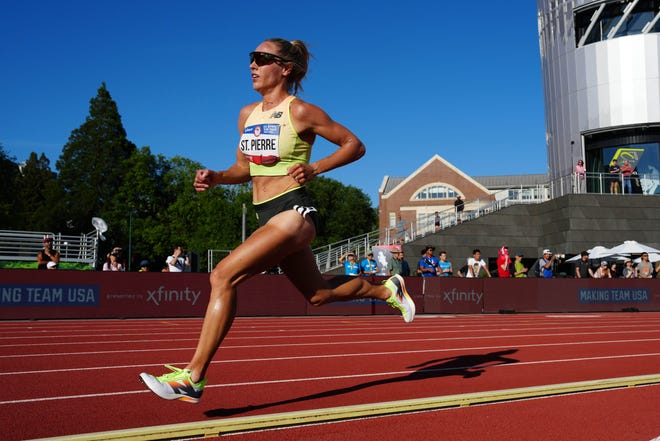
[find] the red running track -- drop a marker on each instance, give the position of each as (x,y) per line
(71,377)
(619,414)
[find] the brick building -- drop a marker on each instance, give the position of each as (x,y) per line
(413,200)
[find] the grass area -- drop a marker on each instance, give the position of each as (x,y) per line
(14,264)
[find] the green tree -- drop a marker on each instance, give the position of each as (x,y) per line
(344,211)
(9,172)
(135,213)
(91,166)
(37,196)
(202,221)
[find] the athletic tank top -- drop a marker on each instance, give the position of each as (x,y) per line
(270,143)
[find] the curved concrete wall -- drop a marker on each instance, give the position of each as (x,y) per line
(595,87)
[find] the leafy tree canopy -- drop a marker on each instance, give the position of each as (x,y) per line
(91,165)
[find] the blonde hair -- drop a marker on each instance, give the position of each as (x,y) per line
(297,53)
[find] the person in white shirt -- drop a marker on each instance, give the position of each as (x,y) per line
(178,261)
(477,266)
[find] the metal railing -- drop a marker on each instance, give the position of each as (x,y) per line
(327,256)
(25,245)
(602,183)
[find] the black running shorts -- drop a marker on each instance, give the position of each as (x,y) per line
(297,199)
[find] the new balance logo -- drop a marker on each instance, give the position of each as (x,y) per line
(304,211)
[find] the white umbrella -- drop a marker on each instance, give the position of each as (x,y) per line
(633,247)
(597,252)
(653,257)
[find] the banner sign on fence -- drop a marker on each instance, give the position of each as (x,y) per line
(48,295)
(614,295)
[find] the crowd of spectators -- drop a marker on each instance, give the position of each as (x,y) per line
(548,265)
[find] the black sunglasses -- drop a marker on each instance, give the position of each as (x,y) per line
(264,58)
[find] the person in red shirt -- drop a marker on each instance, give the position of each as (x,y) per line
(627,171)
(503,262)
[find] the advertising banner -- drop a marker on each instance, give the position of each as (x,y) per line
(453,295)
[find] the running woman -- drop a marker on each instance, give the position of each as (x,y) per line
(277,134)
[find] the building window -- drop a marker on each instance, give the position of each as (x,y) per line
(640,146)
(435,191)
(392,219)
(604,20)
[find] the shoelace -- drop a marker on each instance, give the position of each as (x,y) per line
(176,372)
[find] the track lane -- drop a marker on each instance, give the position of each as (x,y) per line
(254,377)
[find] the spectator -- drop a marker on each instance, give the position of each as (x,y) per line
(444,266)
(546,263)
(144,266)
(405,268)
(503,262)
(657,270)
(368,266)
(179,261)
(583,267)
(47,254)
(603,272)
(614,270)
(627,171)
(351,265)
(580,177)
(644,267)
(395,265)
(615,171)
(476,267)
(428,264)
(628,270)
(119,252)
(112,262)
(459,205)
(437,222)
(519,270)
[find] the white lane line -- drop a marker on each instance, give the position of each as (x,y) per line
(327,356)
(319,343)
(139,338)
(296,333)
(337,377)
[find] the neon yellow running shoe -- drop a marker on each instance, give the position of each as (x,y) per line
(400,299)
(176,385)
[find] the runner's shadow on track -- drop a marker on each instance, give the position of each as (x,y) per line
(466,366)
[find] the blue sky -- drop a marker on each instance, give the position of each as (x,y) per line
(461,80)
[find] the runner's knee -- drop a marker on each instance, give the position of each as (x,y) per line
(220,278)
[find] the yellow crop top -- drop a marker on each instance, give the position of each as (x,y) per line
(270,143)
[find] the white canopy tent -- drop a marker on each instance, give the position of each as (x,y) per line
(632,247)
(599,252)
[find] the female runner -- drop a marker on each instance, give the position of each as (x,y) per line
(277,134)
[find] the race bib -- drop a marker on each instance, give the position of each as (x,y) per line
(260,143)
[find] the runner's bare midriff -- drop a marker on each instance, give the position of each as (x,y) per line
(268,187)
